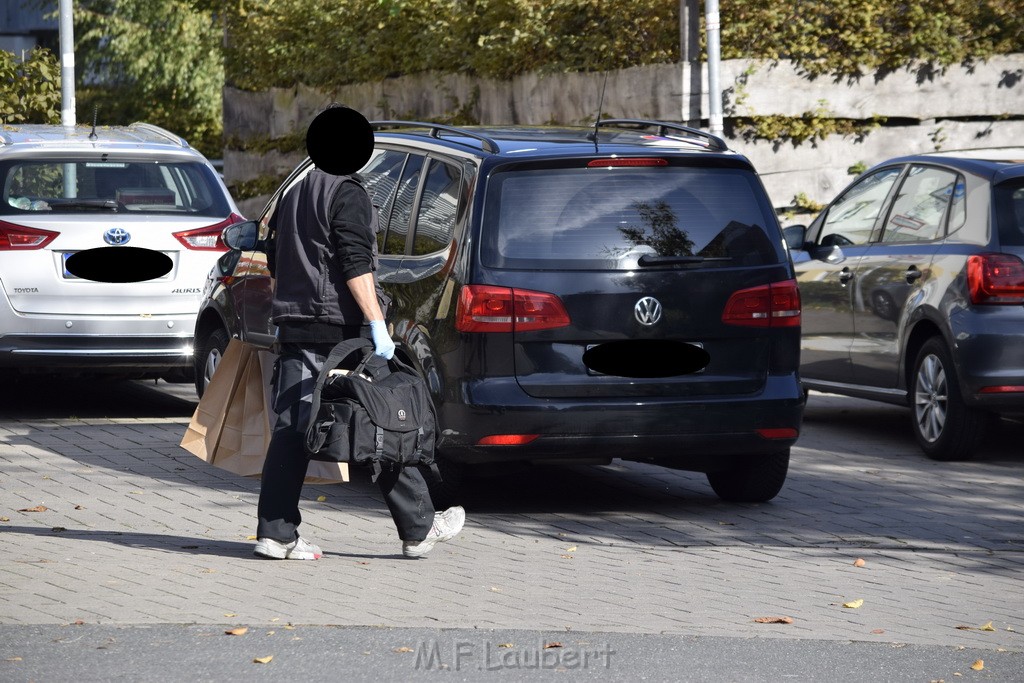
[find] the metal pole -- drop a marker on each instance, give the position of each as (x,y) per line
(67,65)
(714,28)
(689,56)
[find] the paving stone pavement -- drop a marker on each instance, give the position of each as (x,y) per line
(136,531)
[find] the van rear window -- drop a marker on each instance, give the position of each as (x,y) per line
(609,218)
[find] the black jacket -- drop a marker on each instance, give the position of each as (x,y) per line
(323,233)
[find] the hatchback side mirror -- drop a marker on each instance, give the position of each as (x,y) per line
(795,236)
(241,236)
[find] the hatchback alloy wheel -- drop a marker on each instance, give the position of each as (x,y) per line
(930,398)
(946,428)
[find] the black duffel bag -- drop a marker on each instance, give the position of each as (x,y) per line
(376,414)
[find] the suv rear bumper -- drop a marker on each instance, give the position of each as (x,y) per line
(685,434)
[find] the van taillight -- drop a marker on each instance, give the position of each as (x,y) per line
(773,305)
(208,238)
(995,279)
(483,308)
(16,237)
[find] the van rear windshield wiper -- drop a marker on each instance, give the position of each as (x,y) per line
(102,204)
(650,260)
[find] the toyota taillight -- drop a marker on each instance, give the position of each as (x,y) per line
(14,237)
(483,308)
(995,279)
(772,305)
(208,238)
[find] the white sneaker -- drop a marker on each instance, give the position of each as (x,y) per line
(446,526)
(299,549)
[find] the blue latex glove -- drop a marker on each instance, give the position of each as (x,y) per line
(382,342)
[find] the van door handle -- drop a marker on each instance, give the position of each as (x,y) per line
(845,275)
(911,274)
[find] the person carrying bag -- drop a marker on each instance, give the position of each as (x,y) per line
(322,254)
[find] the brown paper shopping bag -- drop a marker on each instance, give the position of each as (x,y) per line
(232,425)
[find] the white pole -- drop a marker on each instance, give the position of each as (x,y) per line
(67,65)
(714,28)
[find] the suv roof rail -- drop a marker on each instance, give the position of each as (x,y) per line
(711,141)
(486,143)
(157,130)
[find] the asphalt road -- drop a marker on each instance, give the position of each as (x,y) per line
(141,562)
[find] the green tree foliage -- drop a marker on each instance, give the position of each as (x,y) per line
(158,61)
(29,89)
(328,43)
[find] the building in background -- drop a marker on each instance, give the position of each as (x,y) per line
(24,26)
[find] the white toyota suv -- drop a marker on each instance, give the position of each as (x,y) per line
(106,238)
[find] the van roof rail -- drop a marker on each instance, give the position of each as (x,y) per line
(710,141)
(436,129)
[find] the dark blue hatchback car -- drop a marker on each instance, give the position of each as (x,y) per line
(913,290)
(572,295)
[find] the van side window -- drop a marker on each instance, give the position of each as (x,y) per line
(435,220)
(401,213)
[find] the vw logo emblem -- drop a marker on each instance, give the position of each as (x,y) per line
(647,311)
(116,236)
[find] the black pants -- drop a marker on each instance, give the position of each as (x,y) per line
(404,490)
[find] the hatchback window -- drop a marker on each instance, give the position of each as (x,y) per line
(1009,209)
(852,217)
(920,207)
(81,186)
(610,218)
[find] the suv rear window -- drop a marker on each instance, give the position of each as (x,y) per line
(608,218)
(78,186)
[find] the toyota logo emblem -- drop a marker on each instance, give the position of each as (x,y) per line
(647,311)
(116,236)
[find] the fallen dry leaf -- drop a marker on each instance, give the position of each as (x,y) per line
(505,645)
(289,627)
(13,659)
(988,627)
(774,620)
(321,499)
(37,508)
(978,665)
(78,622)
(59,529)
(250,538)
(566,557)
(495,589)
(853,604)
(240,631)
(404,649)
(548,646)
(276,619)
(571,549)
(859,562)
(230,614)
(5,519)
(79,507)
(263,660)
(878,631)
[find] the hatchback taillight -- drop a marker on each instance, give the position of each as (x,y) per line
(995,279)
(208,238)
(772,305)
(483,308)
(14,237)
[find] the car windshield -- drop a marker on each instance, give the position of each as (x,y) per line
(82,186)
(626,218)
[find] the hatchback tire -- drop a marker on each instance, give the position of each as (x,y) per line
(756,480)
(945,427)
(210,352)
